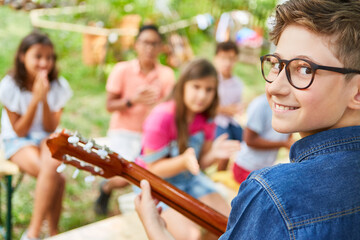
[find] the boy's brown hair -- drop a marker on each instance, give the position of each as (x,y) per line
(227,46)
(336,19)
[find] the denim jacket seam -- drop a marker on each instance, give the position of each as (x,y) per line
(325,217)
(326,145)
(278,205)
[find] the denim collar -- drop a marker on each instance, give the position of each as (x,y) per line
(326,140)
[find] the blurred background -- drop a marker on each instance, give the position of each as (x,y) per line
(91,36)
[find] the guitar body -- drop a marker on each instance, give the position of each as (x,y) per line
(77,153)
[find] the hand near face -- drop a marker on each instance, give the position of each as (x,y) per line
(41,86)
(146,95)
(191,162)
(223,148)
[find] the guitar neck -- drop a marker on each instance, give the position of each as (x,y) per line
(114,165)
(177,199)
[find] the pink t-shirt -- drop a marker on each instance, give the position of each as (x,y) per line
(124,80)
(160,128)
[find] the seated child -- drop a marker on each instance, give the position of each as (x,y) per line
(178,142)
(313,87)
(230,91)
(34,96)
(261,142)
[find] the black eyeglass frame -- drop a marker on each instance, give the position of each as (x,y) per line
(313,66)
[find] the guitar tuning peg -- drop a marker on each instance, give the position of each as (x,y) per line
(76,173)
(74,139)
(102,153)
(89,179)
(87,147)
(108,149)
(67,158)
(81,138)
(61,168)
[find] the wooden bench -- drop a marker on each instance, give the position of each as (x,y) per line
(121,227)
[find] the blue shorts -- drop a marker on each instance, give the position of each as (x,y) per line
(235,132)
(195,185)
(12,145)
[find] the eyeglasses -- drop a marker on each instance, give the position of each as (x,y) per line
(299,72)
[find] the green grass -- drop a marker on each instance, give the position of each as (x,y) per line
(86,110)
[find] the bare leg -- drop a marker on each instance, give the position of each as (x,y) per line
(106,187)
(113,183)
(28,160)
(55,212)
(47,185)
(215,201)
(223,164)
(181,227)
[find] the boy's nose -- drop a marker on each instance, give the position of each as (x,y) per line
(280,85)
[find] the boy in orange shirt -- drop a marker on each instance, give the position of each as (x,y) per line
(133,89)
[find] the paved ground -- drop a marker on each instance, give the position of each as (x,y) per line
(126,226)
(122,227)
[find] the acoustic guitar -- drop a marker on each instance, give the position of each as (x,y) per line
(99,160)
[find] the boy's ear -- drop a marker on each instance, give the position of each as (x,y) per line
(355,100)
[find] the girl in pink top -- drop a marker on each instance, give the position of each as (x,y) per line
(178,142)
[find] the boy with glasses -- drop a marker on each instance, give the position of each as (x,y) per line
(313,87)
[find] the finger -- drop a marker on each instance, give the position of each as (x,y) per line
(146,190)
(137,202)
(231,144)
(159,209)
(42,74)
(195,168)
(190,151)
(194,171)
(156,201)
(222,137)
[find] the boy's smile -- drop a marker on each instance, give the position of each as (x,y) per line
(324,105)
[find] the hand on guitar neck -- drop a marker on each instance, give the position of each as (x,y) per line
(149,215)
(99,160)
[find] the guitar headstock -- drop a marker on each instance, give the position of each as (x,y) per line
(85,154)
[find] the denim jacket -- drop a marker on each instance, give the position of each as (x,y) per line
(316,196)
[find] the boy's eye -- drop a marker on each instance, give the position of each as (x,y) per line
(302,67)
(275,65)
(305,70)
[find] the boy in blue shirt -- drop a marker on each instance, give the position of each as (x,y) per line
(313,87)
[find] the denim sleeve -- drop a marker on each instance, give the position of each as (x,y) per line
(254,215)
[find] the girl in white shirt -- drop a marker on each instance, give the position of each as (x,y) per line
(33,97)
